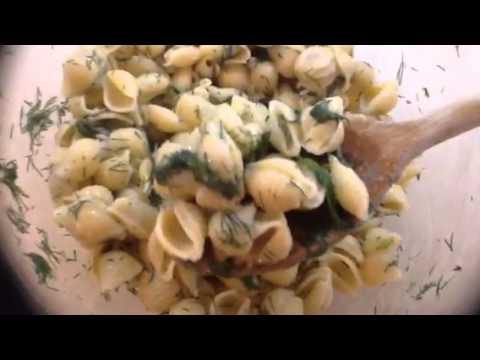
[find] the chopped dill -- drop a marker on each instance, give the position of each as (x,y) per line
(321,113)
(324,178)
(9,177)
(31,163)
(449,242)
(251,282)
(17,218)
(441,68)
(187,160)
(223,269)
(457,50)
(401,70)
(37,119)
(424,290)
(44,246)
(283,125)
(441,285)
(426,92)
(41,267)
(76,207)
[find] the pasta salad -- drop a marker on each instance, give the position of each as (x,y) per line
(184,163)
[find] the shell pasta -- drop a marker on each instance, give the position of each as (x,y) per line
(182,163)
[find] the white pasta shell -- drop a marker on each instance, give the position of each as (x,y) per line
(325,137)
(381,99)
(231,232)
(182,56)
(380,240)
(188,307)
(181,230)
(189,278)
(152,85)
(378,270)
(236,54)
(191,109)
(350,246)
(249,111)
(284,58)
(315,68)
(412,171)
(230,302)
(82,160)
(136,215)
(277,185)
(220,152)
(317,291)
(350,190)
(78,107)
(345,273)
(139,65)
(213,200)
(115,268)
(164,119)
(346,65)
(264,78)
(120,91)
(212,52)
(395,201)
(132,139)
(234,76)
(163,264)
(91,225)
(281,241)
(156,294)
(282,302)
(282,278)
(188,140)
(288,96)
(115,173)
(95,192)
(284,131)
(153,51)
(80,71)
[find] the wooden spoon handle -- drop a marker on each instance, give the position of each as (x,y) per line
(445,124)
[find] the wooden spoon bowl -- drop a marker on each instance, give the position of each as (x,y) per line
(378,151)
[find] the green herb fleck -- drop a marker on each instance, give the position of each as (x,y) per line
(321,112)
(187,160)
(441,285)
(17,218)
(449,242)
(76,207)
(457,49)
(41,267)
(426,92)
(44,246)
(287,134)
(441,67)
(324,178)
(424,290)
(223,269)
(9,177)
(457,268)
(401,70)
(37,119)
(251,282)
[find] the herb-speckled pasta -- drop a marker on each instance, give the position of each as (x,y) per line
(184,162)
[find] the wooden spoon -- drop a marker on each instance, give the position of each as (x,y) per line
(379,151)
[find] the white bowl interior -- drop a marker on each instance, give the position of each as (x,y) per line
(445,201)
